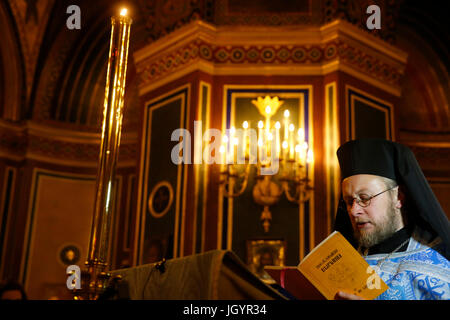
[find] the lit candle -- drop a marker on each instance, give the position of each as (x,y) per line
(297,165)
(286,124)
(269,143)
(232,144)
(260,139)
(310,156)
(304,147)
(291,141)
(286,133)
(110,143)
(285,146)
(297,153)
(222,153)
(224,148)
(277,137)
(301,136)
(268,135)
(244,139)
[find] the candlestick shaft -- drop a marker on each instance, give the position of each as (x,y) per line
(109,147)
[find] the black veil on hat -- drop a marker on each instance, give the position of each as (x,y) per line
(397,162)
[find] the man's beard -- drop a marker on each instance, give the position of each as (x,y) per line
(382,229)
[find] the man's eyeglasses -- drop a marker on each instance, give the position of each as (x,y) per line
(363,200)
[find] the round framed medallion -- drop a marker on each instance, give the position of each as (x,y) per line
(160,199)
(69,254)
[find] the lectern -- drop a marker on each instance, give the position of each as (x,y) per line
(213,275)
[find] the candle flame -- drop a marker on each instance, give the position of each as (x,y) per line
(305,145)
(123,12)
(309,156)
(260,142)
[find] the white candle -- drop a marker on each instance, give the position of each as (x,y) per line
(277,137)
(222,154)
(291,141)
(244,140)
(310,156)
(304,148)
(286,124)
(260,139)
(301,136)
(231,143)
(297,160)
(224,148)
(285,146)
(297,153)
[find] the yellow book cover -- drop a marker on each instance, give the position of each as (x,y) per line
(334,265)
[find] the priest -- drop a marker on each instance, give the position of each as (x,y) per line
(390,215)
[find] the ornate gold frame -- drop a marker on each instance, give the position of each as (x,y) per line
(256,247)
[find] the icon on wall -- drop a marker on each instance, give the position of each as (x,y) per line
(265,252)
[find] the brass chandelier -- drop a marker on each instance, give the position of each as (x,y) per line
(280,154)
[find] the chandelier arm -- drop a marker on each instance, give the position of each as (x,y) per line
(231,193)
(306,193)
(226,182)
(245,181)
(226,194)
(291,198)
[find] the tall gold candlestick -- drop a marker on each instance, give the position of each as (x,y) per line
(109,150)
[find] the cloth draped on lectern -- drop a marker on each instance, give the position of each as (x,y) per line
(216,274)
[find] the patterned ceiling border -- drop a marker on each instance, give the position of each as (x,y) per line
(314,51)
(31,141)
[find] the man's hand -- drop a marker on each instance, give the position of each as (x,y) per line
(341,295)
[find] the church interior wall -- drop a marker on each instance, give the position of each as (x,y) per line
(49,142)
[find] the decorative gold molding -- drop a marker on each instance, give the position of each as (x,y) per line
(345,29)
(35,141)
(331,142)
(259,50)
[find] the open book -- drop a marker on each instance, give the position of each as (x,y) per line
(334,265)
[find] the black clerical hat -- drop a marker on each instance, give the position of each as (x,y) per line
(397,162)
(375,157)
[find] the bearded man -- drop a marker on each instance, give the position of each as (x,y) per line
(390,214)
